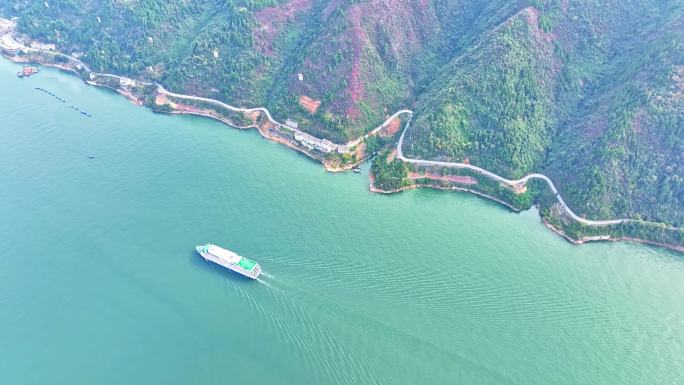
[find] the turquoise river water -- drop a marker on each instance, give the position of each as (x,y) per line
(100,284)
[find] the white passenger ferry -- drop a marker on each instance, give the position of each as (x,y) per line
(229,260)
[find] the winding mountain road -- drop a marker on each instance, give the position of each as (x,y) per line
(7,41)
(512,183)
(265,111)
(164,91)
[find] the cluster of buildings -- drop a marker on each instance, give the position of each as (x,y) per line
(292,124)
(309,141)
(12,46)
(313,143)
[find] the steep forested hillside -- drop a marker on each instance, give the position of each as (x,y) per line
(624,142)
(357,61)
(589,92)
(493,103)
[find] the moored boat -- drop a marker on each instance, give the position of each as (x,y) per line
(27,71)
(229,260)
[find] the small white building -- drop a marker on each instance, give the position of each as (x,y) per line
(313,143)
(300,77)
(326,146)
(291,123)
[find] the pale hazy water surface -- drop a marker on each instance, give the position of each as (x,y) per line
(99,282)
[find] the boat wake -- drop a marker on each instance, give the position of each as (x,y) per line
(267,275)
(267,279)
(263,282)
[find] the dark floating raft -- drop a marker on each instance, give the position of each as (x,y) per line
(63,101)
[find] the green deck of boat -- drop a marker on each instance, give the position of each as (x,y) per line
(246,264)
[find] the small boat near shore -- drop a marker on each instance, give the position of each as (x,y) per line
(27,71)
(229,260)
(357,170)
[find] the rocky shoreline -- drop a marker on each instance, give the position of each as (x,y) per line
(609,238)
(582,240)
(415,186)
